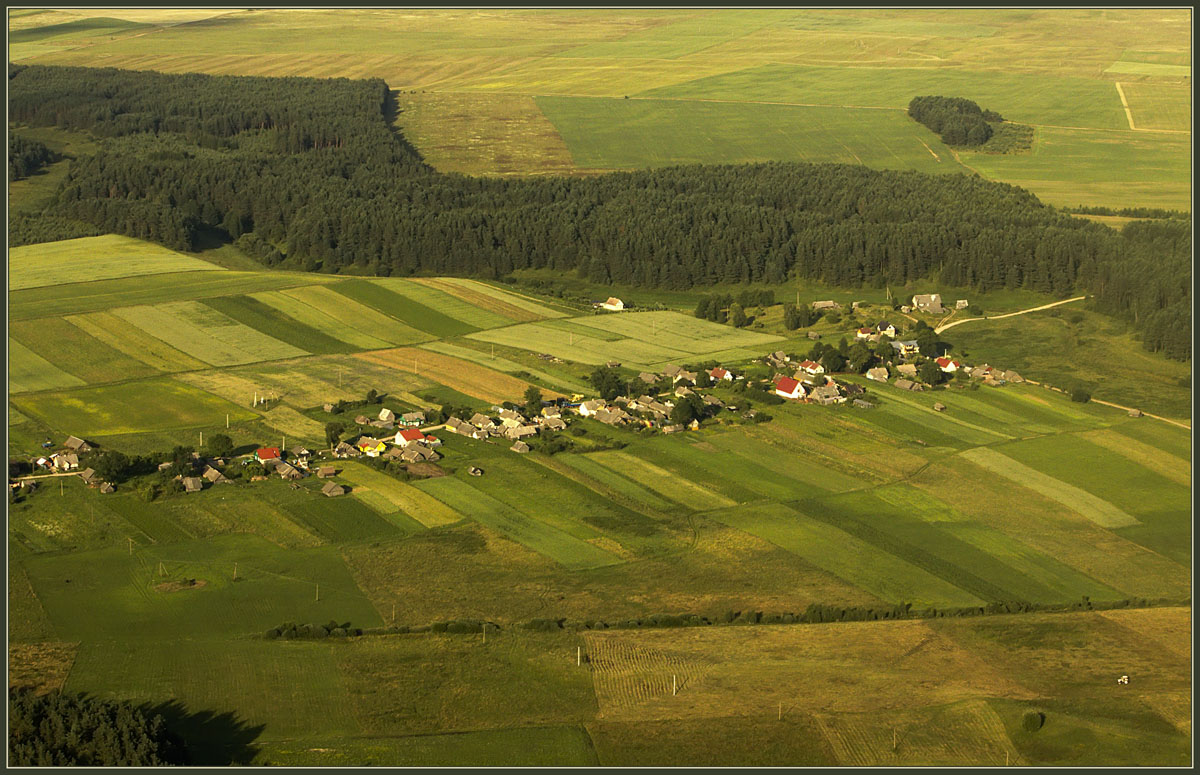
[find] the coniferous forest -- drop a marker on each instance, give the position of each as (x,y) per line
(959,121)
(310,174)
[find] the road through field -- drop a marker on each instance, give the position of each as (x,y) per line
(946,326)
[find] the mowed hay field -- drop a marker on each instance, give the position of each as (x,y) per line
(465,377)
(94,258)
(537,91)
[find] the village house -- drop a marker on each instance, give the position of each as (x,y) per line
(345,450)
(387,415)
(409,436)
(886,329)
(519,446)
(671,370)
(906,309)
(648,378)
(939,407)
(332,489)
(521,431)
(458,426)
(712,400)
(683,390)
(107,488)
(76,444)
(906,348)
(961,304)
(685,376)
(511,419)
(417,453)
(88,475)
(65,461)
(786,387)
(324,472)
(861,404)
(328,408)
(905,384)
(613,364)
(362,419)
(877,374)
(371,447)
(948,365)
(589,408)
(826,395)
(928,302)
(482,422)
(382,424)
(551,411)
(412,419)
(288,471)
(215,476)
(554,423)
(192,484)
(865,334)
(813,335)
(672,428)
(811,367)
(826,305)
(907,370)
(719,374)
(612,303)
(299,452)
(265,454)
(778,359)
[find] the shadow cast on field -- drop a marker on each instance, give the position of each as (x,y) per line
(209,738)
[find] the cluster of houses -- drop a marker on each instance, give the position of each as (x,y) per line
(810,383)
(65,459)
(931,303)
(511,425)
(388,420)
(409,444)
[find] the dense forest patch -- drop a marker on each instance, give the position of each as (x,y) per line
(959,121)
(310,175)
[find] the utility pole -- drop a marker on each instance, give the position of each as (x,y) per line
(781,710)
(131,546)
(227,421)
(202,439)
(318,593)
(893,738)
(235,571)
(393,613)
(578,656)
(674,686)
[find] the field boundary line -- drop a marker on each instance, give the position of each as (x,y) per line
(1125,104)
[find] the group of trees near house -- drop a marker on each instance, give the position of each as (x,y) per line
(959,121)
(309,174)
(26,156)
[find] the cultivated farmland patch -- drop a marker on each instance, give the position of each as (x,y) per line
(358,316)
(430,296)
(206,334)
(122,335)
(511,306)
(93,258)
(468,378)
(1099,511)
(318,320)
(79,353)
(267,320)
(417,504)
(660,480)
(29,371)
(411,312)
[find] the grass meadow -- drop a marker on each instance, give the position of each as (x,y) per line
(94,258)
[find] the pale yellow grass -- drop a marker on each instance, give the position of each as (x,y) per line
(294,425)
(1163,463)
(468,378)
(833,668)
(44,667)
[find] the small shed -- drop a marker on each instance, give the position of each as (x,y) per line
(333,490)
(107,488)
(861,404)
(1135,412)
(324,472)
(475,471)
(88,475)
(77,444)
(328,408)
(192,484)
(813,335)
(387,415)
(519,446)
(939,407)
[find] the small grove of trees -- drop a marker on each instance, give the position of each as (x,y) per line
(533,399)
(68,730)
(720,307)
(959,121)
(608,382)
(27,156)
(1080,394)
(798,317)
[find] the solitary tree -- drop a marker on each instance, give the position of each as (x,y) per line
(791,317)
(220,445)
(737,315)
(333,432)
(930,373)
(533,399)
(1080,394)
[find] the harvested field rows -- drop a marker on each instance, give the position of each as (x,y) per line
(91,360)
(427,510)
(267,320)
(503,364)
(29,371)
(661,481)
(447,304)
(565,549)
(122,335)
(468,378)
(1162,463)
(206,334)
(412,312)
(626,674)
(1099,511)
(514,298)
(94,258)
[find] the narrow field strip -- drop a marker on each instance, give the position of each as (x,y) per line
(499,363)
(172,323)
(357,316)
(80,354)
(403,308)
(1162,463)
(565,549)
(28,371)
(845,556)
(492,302)
(422,507)
(94,258)
(515,298)
(294,425)
(463,376)
(122,335)
(541,338)
(935,418)
(446,303)
(1083,503)
(614,481)
(267,320)
(661,481)
(223,328)
(802,470)
(317,320)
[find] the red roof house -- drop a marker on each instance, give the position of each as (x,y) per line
(948,365)
(788,387)
(812,367)
(267,453)
(409,436)
(718,373)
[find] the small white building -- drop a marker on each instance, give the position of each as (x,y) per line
(613,303)
(961,304)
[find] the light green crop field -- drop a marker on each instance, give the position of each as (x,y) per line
(401,495)
(1149,68)
(1160,105)
(670,131)
(206,334)
(144,405)
(88,358)
(404,308)
(355,315)
(29,371)
(443,302)
(93,258)
(511,298)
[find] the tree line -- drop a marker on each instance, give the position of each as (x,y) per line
(959,121)
(309,174)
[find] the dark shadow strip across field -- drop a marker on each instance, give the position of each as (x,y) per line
(150,519)
(403,308)
(340,520)
(859,562)
(543,538)
(612,479)
(252,312)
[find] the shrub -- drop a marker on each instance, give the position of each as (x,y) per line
(1080,394)
(1033,721)
(439,627)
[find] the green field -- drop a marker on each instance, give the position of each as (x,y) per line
(403,308)
(93,258)
(443,302)
(388,495)
(206,334)
(88,358)
(597,132)
(260,317)
(30,371)
(1159,105)
(147,405)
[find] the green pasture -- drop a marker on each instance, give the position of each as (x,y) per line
(28,371)
(101,295)
(914,526)
(804,475)
(58,341)
(1160,105)
(342,519)
(909,425)
(1052,349)
(206,334)
(93,258)
(392,495)
(358,316)
(662,481)
(145,405)
(334,325)
(1021,97)
(609,478)
(542,537)
(1081,501)
(795,740)
(64,515)
(846,556)
(964,426)
(1149,68)
(1169,438)
(677,331)
(686,131)
(444,303)
(577,347)
(1070,166)
(411,312)
(738,478)
(258,316)
(687,33)
(123,336)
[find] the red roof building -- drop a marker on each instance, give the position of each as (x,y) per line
(719,373)
(267,453)
(812,367)
(788,387)
(409,436)
(948,365)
